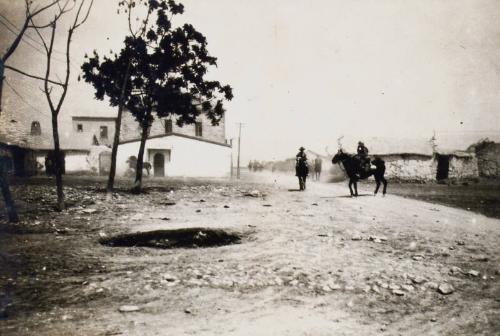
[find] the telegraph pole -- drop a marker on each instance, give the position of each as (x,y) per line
(239,148)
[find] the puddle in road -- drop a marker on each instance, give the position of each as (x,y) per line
(179,238)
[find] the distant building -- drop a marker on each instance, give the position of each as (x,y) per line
(198,149)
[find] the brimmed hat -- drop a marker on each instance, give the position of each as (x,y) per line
(301,148)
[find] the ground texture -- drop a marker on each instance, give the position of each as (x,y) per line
(307,263)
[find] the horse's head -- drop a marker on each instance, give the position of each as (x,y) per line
(339,157)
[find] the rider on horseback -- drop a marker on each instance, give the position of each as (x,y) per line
(301,156)
(301,167)
(363,156)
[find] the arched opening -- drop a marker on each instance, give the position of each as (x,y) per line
(36,129)
(159,165)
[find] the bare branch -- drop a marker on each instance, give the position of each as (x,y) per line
(47,72)
(78,24)
(31,76)
(62,10)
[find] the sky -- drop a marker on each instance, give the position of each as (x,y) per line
(306,72)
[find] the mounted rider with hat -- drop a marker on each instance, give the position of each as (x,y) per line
(363,156)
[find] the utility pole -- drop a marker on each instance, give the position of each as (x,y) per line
(239,148)
(231,144)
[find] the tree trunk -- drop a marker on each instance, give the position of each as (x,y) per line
(116,140)
(4,185)
(58,165)
(138,170)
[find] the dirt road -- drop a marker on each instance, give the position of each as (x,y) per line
(309,263)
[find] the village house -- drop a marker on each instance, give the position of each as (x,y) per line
(198,149)
(414,159)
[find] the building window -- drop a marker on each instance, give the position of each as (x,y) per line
(104,132)
(168,126)
(35,128)
(79,128)
(198,129)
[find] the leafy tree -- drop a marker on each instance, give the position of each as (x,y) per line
(166,73)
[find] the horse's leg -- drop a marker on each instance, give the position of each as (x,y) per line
(355,188)
(377,181)
(385,186)
(305,179)
(300,183)
(350,187)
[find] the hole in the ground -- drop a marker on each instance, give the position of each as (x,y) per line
(179,238)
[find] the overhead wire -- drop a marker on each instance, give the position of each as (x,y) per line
(24,100)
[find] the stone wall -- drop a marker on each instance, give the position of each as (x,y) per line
(488,160)
(463,167)
(410,167)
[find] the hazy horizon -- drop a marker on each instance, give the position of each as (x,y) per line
(307,72)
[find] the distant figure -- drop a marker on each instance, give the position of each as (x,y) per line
(317,168)
(147,166)
(301,168)
(363,156)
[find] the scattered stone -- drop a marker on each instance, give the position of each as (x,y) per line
(482,258)
(398,292)
(473,273)
(433,319)
(267,205)
(187,311)
(129,309)
(226,206)
(326,288)
(456,270)
(445,289)
(460,242)
(169,203)
(198,210)
(89,211)
(408,288)
(202,201)
(357,238)
(165,218)
(432,285)
(394,287)
(418,257)
(418,280)
(376,289)
(316,204)
(254,193)
(169,277)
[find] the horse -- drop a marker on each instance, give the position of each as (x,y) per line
(353,167)
(301,171)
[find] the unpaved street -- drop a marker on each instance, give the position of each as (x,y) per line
(309,263)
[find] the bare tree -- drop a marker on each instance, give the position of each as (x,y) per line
(32,11)
(55,100)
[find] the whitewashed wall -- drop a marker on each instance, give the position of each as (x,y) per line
(188,157)
(76,162)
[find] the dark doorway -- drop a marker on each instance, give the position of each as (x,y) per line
(159,165)
(443,167)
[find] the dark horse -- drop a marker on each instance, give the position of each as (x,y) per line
(301,171)
(355,171)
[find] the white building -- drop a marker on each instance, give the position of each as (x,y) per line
(197,150)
